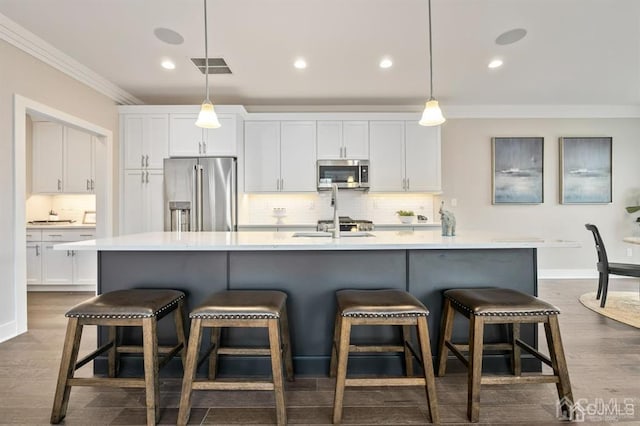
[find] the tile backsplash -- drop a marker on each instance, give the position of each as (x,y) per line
(67,206)
(258,209)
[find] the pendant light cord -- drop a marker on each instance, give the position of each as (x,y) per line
(430,58)
(206,52)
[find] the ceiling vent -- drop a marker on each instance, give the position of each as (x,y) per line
(216,65)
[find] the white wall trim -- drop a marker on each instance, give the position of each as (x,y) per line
(567,274)
(104,190)
(182,109)
(8,331)
(540,111)
(28,42)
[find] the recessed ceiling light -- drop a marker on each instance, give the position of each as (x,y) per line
(168,36)
(168,64)
(511,36)
(300,63)
(386,63)
(496,63)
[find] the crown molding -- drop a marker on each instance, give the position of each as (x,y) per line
(28,42)
(540,111)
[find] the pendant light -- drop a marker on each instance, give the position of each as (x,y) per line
(207,118)
(432,115)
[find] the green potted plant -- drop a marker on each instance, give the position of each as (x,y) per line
(633,209)
(405,216)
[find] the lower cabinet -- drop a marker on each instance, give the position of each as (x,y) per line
(49,267)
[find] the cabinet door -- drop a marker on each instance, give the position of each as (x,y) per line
(78,161)
(186,138)
(297,156)
(154,201)
(422,156)
(261,156)
(133,132)
(223,140)
(57,266)
(34,263)
(85,267)
(329,140)
(355,137)
(132,212)
(156,144)
(386,156)
(47,157)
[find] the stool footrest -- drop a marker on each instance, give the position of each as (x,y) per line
(132,349)
(386,381)
(243,351)
(93,355)
(229,385)
(504,380)
(376,348)
(107,381)
(454,348)
(533,351)
(169,354)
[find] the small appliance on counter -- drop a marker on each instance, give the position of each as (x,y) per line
(346,224)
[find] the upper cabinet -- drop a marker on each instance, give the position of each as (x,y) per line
(63,159)
(280,156)
(145,140)
(405,157)
(188,140)
(343,140)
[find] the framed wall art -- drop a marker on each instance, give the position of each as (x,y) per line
(585,170)
(517,170)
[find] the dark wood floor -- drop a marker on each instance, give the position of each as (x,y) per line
(603,358)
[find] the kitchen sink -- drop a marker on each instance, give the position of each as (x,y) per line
(328,234)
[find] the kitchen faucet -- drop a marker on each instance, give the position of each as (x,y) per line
(334,203)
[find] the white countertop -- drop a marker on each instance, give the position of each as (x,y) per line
(65,226)
(265,241)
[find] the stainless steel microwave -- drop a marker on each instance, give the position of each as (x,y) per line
(348,174)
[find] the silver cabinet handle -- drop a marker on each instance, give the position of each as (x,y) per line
(147,177)
(73,252)
(345,152)
(408,184)
(37,250)
(404,186)
(55,235)
(142,177)
(67,253)
(281,184)
(93,185)
(142,161)
(86,235)
(59,184)
(199,147)
(277,184)
(88,185)
(146,160)
(204,147)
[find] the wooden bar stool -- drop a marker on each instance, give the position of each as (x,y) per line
(502,306)
(239,308)
(122,308)
(381,307)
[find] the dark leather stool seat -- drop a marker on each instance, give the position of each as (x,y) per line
(502,306)
(381,307)
(239,308)
(122,308)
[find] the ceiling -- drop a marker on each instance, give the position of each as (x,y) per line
(576,52)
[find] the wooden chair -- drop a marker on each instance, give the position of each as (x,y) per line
(381,307)
(605,267)
(238,308)
(502,306)
(122,308)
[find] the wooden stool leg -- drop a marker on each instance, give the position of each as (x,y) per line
(335,346)
(341,375)
(408,356)
(113,358)
(286,342)
(275,346)
(558,361)
(427,366)
(213,356)
(446,331)
(476,335)
(178,317)
(516,352)
(193,352)
(67,368)
(150,349)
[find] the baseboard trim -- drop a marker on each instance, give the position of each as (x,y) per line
(573,274)
(8,331)
(49,287)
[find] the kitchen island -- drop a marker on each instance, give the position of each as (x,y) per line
(310,270)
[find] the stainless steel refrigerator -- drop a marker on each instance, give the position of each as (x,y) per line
(200,194)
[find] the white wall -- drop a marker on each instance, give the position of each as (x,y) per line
(466,168)
(22,74)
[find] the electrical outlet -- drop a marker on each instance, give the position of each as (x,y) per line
(629,252)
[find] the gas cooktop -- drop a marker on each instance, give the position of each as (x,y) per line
(347,224)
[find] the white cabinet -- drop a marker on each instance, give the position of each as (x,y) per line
(404,157)
(143,209)
(280,156)
(49,267)
(188,140)
(343,140)
(145,140)
(63,159)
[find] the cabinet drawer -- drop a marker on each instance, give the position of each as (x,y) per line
(34,235)
(68,234)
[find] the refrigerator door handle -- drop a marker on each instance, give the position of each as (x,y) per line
(198,198)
